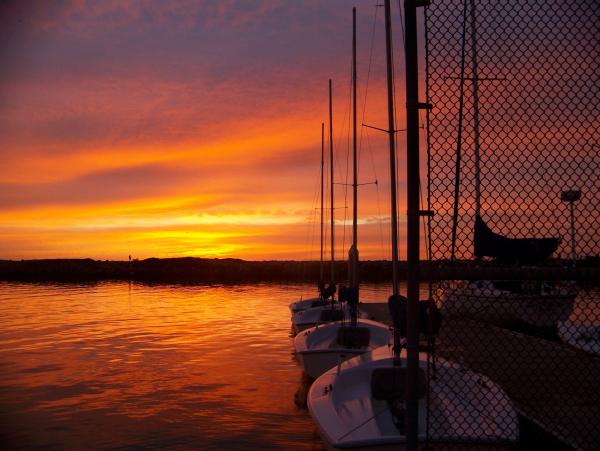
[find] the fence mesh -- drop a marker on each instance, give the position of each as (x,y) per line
(513,137)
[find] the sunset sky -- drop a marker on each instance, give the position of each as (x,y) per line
(186,128)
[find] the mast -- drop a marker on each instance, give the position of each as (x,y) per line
(391,133)
(332,281)
(355,183)
(322,198)
(475,109)
(353,254)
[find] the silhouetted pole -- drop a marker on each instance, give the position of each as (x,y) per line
(392,141)
(572,196)
(412,245)
(321,279)
(331,173)
(355,183)
(353,254)
(475,110)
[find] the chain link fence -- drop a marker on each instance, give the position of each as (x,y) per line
(513,178)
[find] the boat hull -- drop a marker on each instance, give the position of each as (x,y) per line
(305,304)
(316,363)
(312,317)
(318,349)
(501,307)
(349,415)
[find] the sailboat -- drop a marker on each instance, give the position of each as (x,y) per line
(331,310)
(536,303)
(324,292)
(361,402)
(322,347)
(539,304)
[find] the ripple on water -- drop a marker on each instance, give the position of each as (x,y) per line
(130,365)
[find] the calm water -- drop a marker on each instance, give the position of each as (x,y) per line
(118,365)
(129,365)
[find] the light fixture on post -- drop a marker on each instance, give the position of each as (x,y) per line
(572,196)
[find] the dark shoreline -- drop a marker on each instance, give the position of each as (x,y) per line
(194,270)
(185,270)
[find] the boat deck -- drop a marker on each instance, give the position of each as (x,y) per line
(553,385)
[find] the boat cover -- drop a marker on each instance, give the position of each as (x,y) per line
(526,250)
(353,337)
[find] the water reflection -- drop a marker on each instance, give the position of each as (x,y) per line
(118,364)
(301,395)
(129,365)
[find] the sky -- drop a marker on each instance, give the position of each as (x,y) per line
(187,128)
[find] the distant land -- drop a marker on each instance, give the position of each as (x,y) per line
(202,270)
(184,270)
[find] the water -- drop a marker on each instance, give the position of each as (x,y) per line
(125,365)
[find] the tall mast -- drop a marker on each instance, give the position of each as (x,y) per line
(355,183)
(353,254)
(391,133)
(475,109)
(322,198)
(331,174)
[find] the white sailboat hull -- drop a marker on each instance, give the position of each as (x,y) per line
(312,317)
(305,304)
(466,410)
(318,348)
(491,305)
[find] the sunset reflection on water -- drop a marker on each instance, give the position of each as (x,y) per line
(123,365)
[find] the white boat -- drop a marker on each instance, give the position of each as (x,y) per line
(538,304)
(359,404)
(312,317)
(304,304)
(323,347)
(582,336)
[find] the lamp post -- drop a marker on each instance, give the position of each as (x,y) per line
(572,196)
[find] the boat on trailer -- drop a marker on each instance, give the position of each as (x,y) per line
(503,303)
(537,303)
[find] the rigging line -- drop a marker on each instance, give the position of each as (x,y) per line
(363,135)
(379,217)
(310,226)
(402,24)
(364,109)
(347,166)
(364,422)
(459,137)
(313,226)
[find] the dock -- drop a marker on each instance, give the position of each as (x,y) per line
(554,387)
